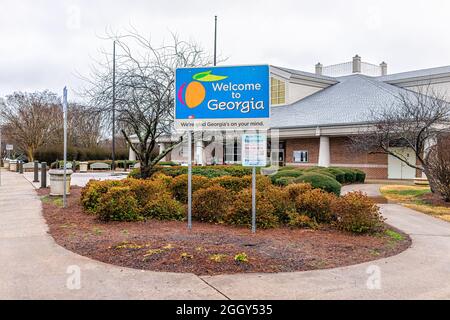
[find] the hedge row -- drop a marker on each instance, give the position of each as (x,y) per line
(122,164)
(227,199)
(51,155)
(329,179)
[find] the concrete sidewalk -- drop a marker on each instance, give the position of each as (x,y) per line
(33,266)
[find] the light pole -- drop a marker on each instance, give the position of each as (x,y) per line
(113,162)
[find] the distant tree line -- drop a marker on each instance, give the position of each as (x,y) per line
(33,123)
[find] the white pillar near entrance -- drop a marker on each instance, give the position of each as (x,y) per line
(162,148)
(131,155)
(199,151)
(324,152)
(430,142)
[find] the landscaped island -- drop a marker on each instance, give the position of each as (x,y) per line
(303,222)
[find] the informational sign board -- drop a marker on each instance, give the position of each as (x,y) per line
(9,147)
(254,150)
(222,98)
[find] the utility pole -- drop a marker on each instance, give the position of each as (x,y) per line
(113,164)
(215,40)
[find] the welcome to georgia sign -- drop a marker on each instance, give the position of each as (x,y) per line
(222,98)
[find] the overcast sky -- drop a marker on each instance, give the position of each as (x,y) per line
(44,43)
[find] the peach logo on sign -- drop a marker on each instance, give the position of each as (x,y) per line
(194,93)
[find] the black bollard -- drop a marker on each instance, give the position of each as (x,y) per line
(18,166)
(21,167)
(44,175)
(36,171)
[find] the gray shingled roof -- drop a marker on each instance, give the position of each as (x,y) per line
(415,74)
(347,102)
(306,74)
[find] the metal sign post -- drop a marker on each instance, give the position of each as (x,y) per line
(254,154)
(65,146)
(189,179)
(253,199)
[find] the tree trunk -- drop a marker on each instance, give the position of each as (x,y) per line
(433,185)
(30,154)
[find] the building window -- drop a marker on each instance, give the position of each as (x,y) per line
(277,91)
(232,150)
(301,156)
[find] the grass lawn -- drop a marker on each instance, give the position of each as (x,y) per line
(418,198)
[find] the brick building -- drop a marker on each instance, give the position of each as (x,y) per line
(314,114)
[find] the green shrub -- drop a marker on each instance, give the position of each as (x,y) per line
(350,175)
(167,163)
(339,175)
(360,176)
(240,212)
(135,173)
(357,213)
(321,181)
(208,172)
(316,204)
(163,207)
(297,220)
(289,168)
(322,170)
(93,191)
(179,186)
(284,181)
(118,205)
(231,183)
(286,173)
(211,204)
(236,171)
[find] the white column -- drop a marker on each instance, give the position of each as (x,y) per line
(162,148)
(131,155)
(199,150)
(324,152)
(430,142)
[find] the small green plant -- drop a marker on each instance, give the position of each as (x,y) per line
(394,235)
(241,257)
(217,257)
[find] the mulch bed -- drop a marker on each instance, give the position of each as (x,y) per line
(169,246)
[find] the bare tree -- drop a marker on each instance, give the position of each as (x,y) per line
(145,85)
(31,119)
(416,120)
(84,128)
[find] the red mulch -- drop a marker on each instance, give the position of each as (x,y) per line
(275,250)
